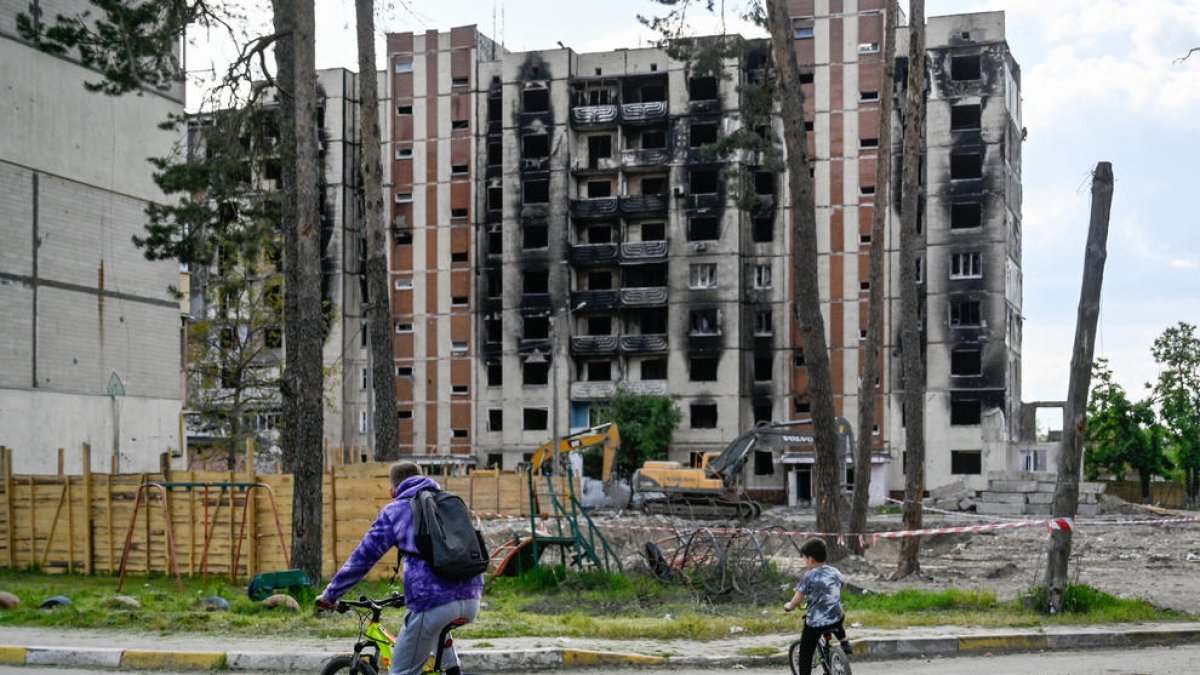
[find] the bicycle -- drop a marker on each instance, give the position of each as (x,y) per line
(374,645)
(828,655)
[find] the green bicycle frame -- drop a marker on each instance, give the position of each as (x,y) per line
(384,641)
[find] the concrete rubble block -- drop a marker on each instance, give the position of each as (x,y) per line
(1087,510)
(1002,497)
(956,489)
(1092,488)
(967,503)
(1013,486)
(1088,498)
(1040,498)
(1038,509)
(994,509)
(1047,485)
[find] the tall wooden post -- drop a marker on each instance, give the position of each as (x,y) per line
(89,553)
(1066,491)
(6,460)
(252,510)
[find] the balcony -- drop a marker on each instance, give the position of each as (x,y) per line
(651,158)
(598,390)
(592,300)
(643,344)
(533,304)
(593,254)
(594,209)
(711,105)
(593,345)
(644,114)
(644,251)
(647,387)
(594,116)
(645,296)
(594,165)
(530,345)
(535,164)
(644,205)
(704,201)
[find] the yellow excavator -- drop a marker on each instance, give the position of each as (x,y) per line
(607,436)
(714,489)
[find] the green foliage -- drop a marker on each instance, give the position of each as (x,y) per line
(1177,353)
(132,44)
(1122,435)
(912,601)
(1081,599)
(646,423)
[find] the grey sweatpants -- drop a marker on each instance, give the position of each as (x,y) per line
(419,635)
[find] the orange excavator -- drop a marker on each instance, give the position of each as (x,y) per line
(606,436)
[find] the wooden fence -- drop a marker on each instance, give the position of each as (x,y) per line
(79,523)
(1170,495)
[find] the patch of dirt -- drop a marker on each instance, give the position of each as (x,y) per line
(1156,562)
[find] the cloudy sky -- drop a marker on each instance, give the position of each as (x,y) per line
(1099,82)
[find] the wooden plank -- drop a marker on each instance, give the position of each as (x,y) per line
(112,550)
(252,506)
(89,567)
(32,524)
(6,460)
(70,527)
(333,520)
(53,526)
(61,452)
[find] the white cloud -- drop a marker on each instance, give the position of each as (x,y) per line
(1184,263)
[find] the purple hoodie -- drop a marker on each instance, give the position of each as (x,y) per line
(393,527)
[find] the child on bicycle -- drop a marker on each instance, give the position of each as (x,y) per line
(822,588)
(433,602)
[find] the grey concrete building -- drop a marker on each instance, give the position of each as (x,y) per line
(89,333)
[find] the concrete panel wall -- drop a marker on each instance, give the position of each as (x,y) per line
(136,429)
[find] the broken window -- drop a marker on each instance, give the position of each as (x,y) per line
(702,275)
(492,327)
(763,322)
(495,286)
(599,188)
(459,81)
(599,371)
(965,312)
(703,133)
(966,67)
(536,327)
(705,322)
(599,325)
(703,415)
(458,213)
(460,124)
(868,143)
(599,234)
(599,280)
(966,215)
(965,411)
(404,109)
(536,192)
(802,29)
(495,460)
(762,412)
(966,361)
(967,265)
(764,463)
(535,100)
(654,369)
(535,146)
(535,236)
(869,95)
(764,183)
(535,373)
(762,230)
(654,185)
(654,231)
(763,365)
(495,154)
(702,88)
(458,256)
(652,322)
(495,420)
(806,77)
(654,140)
(704,181)
(495,374)
(965,116)
(966,462)
(599,147)
(534,419)
(702,369)
(762,276)
(703,229)
(966,165)
(495,198)
(537,282)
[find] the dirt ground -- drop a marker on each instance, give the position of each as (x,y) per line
(1159,563)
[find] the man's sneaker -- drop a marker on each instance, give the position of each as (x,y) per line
(847,648)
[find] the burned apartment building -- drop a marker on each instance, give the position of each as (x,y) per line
(562,228)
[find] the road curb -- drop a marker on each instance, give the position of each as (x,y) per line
(556,658)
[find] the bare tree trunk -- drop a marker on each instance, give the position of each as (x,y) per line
(804,247)
(910,317)
(1070,456)
(379,311)
(869,355)
(303,326)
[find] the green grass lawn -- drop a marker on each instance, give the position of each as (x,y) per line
(542,603)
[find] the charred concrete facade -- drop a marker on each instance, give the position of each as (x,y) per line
(562,229)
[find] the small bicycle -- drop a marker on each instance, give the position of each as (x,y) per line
(828,656)
(373,649)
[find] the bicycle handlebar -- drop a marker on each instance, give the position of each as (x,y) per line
(394,600)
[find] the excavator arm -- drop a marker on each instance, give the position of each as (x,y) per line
(605,435)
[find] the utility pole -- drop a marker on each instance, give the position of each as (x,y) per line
(1066,491)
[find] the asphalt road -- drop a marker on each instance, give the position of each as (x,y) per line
(1144,661)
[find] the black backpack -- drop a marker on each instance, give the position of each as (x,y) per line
(446,536)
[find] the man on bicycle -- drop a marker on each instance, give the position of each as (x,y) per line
(822,587)
(433,602)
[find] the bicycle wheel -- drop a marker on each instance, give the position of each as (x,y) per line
(794,657)
(839,663)
(344,664)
